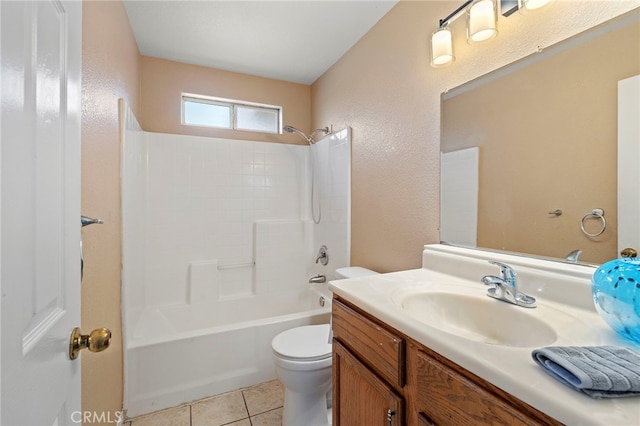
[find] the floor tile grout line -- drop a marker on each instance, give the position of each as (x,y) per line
(190,406)
(246,406)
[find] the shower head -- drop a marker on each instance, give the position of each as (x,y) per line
(291,129)
(308,138)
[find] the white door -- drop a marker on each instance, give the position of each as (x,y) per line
(628,160)
(40,210)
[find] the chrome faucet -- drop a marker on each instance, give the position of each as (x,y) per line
(505,288)
(318,279)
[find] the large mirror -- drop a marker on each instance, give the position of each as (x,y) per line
(529,151)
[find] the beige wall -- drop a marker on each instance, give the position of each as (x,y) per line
(547,138)
(383,88)
(162,82)
(113,69)
(110,62)
(386,91)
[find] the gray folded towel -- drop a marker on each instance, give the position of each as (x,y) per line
(598,371)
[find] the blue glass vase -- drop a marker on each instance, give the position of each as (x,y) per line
(616,294)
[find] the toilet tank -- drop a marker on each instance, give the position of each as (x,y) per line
(354,272)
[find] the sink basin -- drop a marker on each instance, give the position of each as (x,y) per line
(479,318)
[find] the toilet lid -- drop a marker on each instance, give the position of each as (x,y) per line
(310,342)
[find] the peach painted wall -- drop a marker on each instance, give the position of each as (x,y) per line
(384,88)
(110,63)
(162,82)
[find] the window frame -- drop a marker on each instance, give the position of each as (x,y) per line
(233,105)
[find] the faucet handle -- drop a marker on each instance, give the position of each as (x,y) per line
(323,255)
(507,272)
(506,288)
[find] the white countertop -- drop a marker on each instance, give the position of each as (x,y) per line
(509,368)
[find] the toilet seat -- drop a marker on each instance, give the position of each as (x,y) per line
(306,343)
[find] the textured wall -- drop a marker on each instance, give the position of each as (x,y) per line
(109,71)
(383,88)
(386,91)
(162,82)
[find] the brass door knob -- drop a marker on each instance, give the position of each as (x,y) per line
(629,252)
(97,341)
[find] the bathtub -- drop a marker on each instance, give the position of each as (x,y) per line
(178,354)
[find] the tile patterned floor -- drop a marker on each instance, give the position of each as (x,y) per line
(259,405)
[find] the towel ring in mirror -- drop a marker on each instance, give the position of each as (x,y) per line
(598,214)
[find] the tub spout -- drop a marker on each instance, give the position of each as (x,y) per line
(318,279)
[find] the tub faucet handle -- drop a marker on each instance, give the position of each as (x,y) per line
(322,256)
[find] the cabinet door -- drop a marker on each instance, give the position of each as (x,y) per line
(447,398)
(359,396)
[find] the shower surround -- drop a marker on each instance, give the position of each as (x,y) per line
(218,246)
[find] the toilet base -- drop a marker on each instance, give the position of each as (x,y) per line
(305,409)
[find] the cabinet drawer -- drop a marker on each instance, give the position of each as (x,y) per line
(383,350)
(445,397)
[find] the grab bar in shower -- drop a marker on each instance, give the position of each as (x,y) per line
(236,265)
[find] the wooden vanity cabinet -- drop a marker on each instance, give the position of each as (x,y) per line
(368,370)
(381,377)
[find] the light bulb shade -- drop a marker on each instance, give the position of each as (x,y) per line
(526,5)
(481,21)
(441,48)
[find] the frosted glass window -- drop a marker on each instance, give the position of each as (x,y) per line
(206,114)
(199,110)
(257,119)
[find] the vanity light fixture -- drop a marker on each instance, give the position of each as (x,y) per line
(481,26)
(533,4)
(482,17)
(481,21)
(442,47)
(508,7)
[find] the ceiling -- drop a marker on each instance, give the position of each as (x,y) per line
(294,41)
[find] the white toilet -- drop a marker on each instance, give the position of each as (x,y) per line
(302,357)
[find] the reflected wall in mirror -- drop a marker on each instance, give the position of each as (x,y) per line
(546,128)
